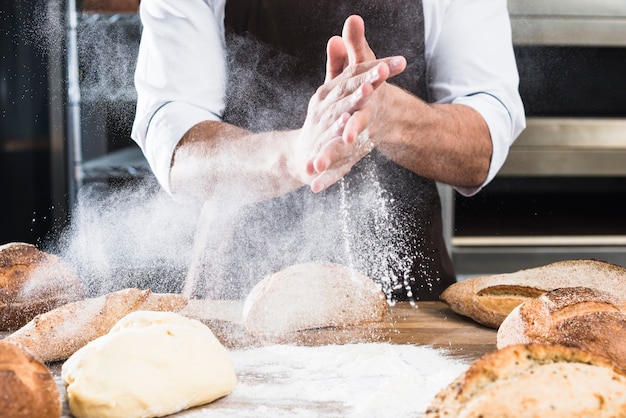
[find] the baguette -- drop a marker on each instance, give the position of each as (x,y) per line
(534,380)
(32,282)
(312,295)
(57,334)
(580,317)
(489,299)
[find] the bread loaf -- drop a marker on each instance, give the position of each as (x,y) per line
(534,380)
(110,6)
(32,282)
(57,334)
(312,295)
(489,299)
(580,317)
(27,388)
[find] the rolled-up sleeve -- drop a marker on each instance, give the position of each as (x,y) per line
(180,76)
(470,61)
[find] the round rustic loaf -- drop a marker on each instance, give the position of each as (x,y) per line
(535,380)
(27,388)
(32,282)
(312,295)
(489,299)
(581,317)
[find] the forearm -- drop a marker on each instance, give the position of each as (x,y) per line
(215,160)
(445,142)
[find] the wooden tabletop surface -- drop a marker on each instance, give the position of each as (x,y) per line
(425,323)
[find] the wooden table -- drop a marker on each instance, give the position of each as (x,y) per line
(425,323)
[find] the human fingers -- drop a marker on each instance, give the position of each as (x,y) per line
(353,34)
(350,95)
(336,57)
(333,174)
(337,152)
(334,133)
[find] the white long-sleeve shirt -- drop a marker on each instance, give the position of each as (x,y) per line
(181,71)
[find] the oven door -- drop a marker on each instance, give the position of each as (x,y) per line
(557,196)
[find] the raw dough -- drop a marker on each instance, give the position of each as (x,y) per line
(150,364)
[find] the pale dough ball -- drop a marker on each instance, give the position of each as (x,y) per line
(150,364)
(312,295)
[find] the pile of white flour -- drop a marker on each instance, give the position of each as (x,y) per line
(353,380)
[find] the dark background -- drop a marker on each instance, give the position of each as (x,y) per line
(26,201)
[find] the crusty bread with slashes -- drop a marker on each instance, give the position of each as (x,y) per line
(489,299)
(534,380)
(580,317)
(27,387)
(312,295)
(32,282)
(59,333)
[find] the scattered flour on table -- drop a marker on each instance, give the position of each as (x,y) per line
(353,380)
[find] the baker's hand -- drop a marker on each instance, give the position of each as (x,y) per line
(330,127)
(348,56)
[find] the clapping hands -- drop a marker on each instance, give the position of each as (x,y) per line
(335,132)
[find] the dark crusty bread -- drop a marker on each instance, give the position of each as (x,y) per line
(577,317)
(489,299)
(110,6)
(32,282)
(27,388)
(534,380)
(312,295)
(59,333)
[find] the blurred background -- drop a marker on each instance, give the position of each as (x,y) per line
(67,105)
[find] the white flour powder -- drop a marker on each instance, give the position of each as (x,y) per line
(354,380)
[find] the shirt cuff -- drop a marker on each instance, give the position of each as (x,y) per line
(499,123)
(165,130)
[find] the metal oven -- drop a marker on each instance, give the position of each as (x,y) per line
(559,193)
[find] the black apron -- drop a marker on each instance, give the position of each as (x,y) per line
(381,218)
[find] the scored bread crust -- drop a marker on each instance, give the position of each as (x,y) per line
(533,380)
(32,282)
(580,317)
(27,386)
(59,333)
(312,295)
(489,299)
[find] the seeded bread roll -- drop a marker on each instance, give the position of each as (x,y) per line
(489,299)
(580,317)
(27,388)
(534,380)
(32,282)
(312,295)
(57,334)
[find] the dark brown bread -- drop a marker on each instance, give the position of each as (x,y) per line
(110,6)
(534,380)
(32,282)
(580,317)
(489,299)
(27,388)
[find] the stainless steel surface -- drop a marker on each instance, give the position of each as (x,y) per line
(571,22)
(569,147)
(472,261)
